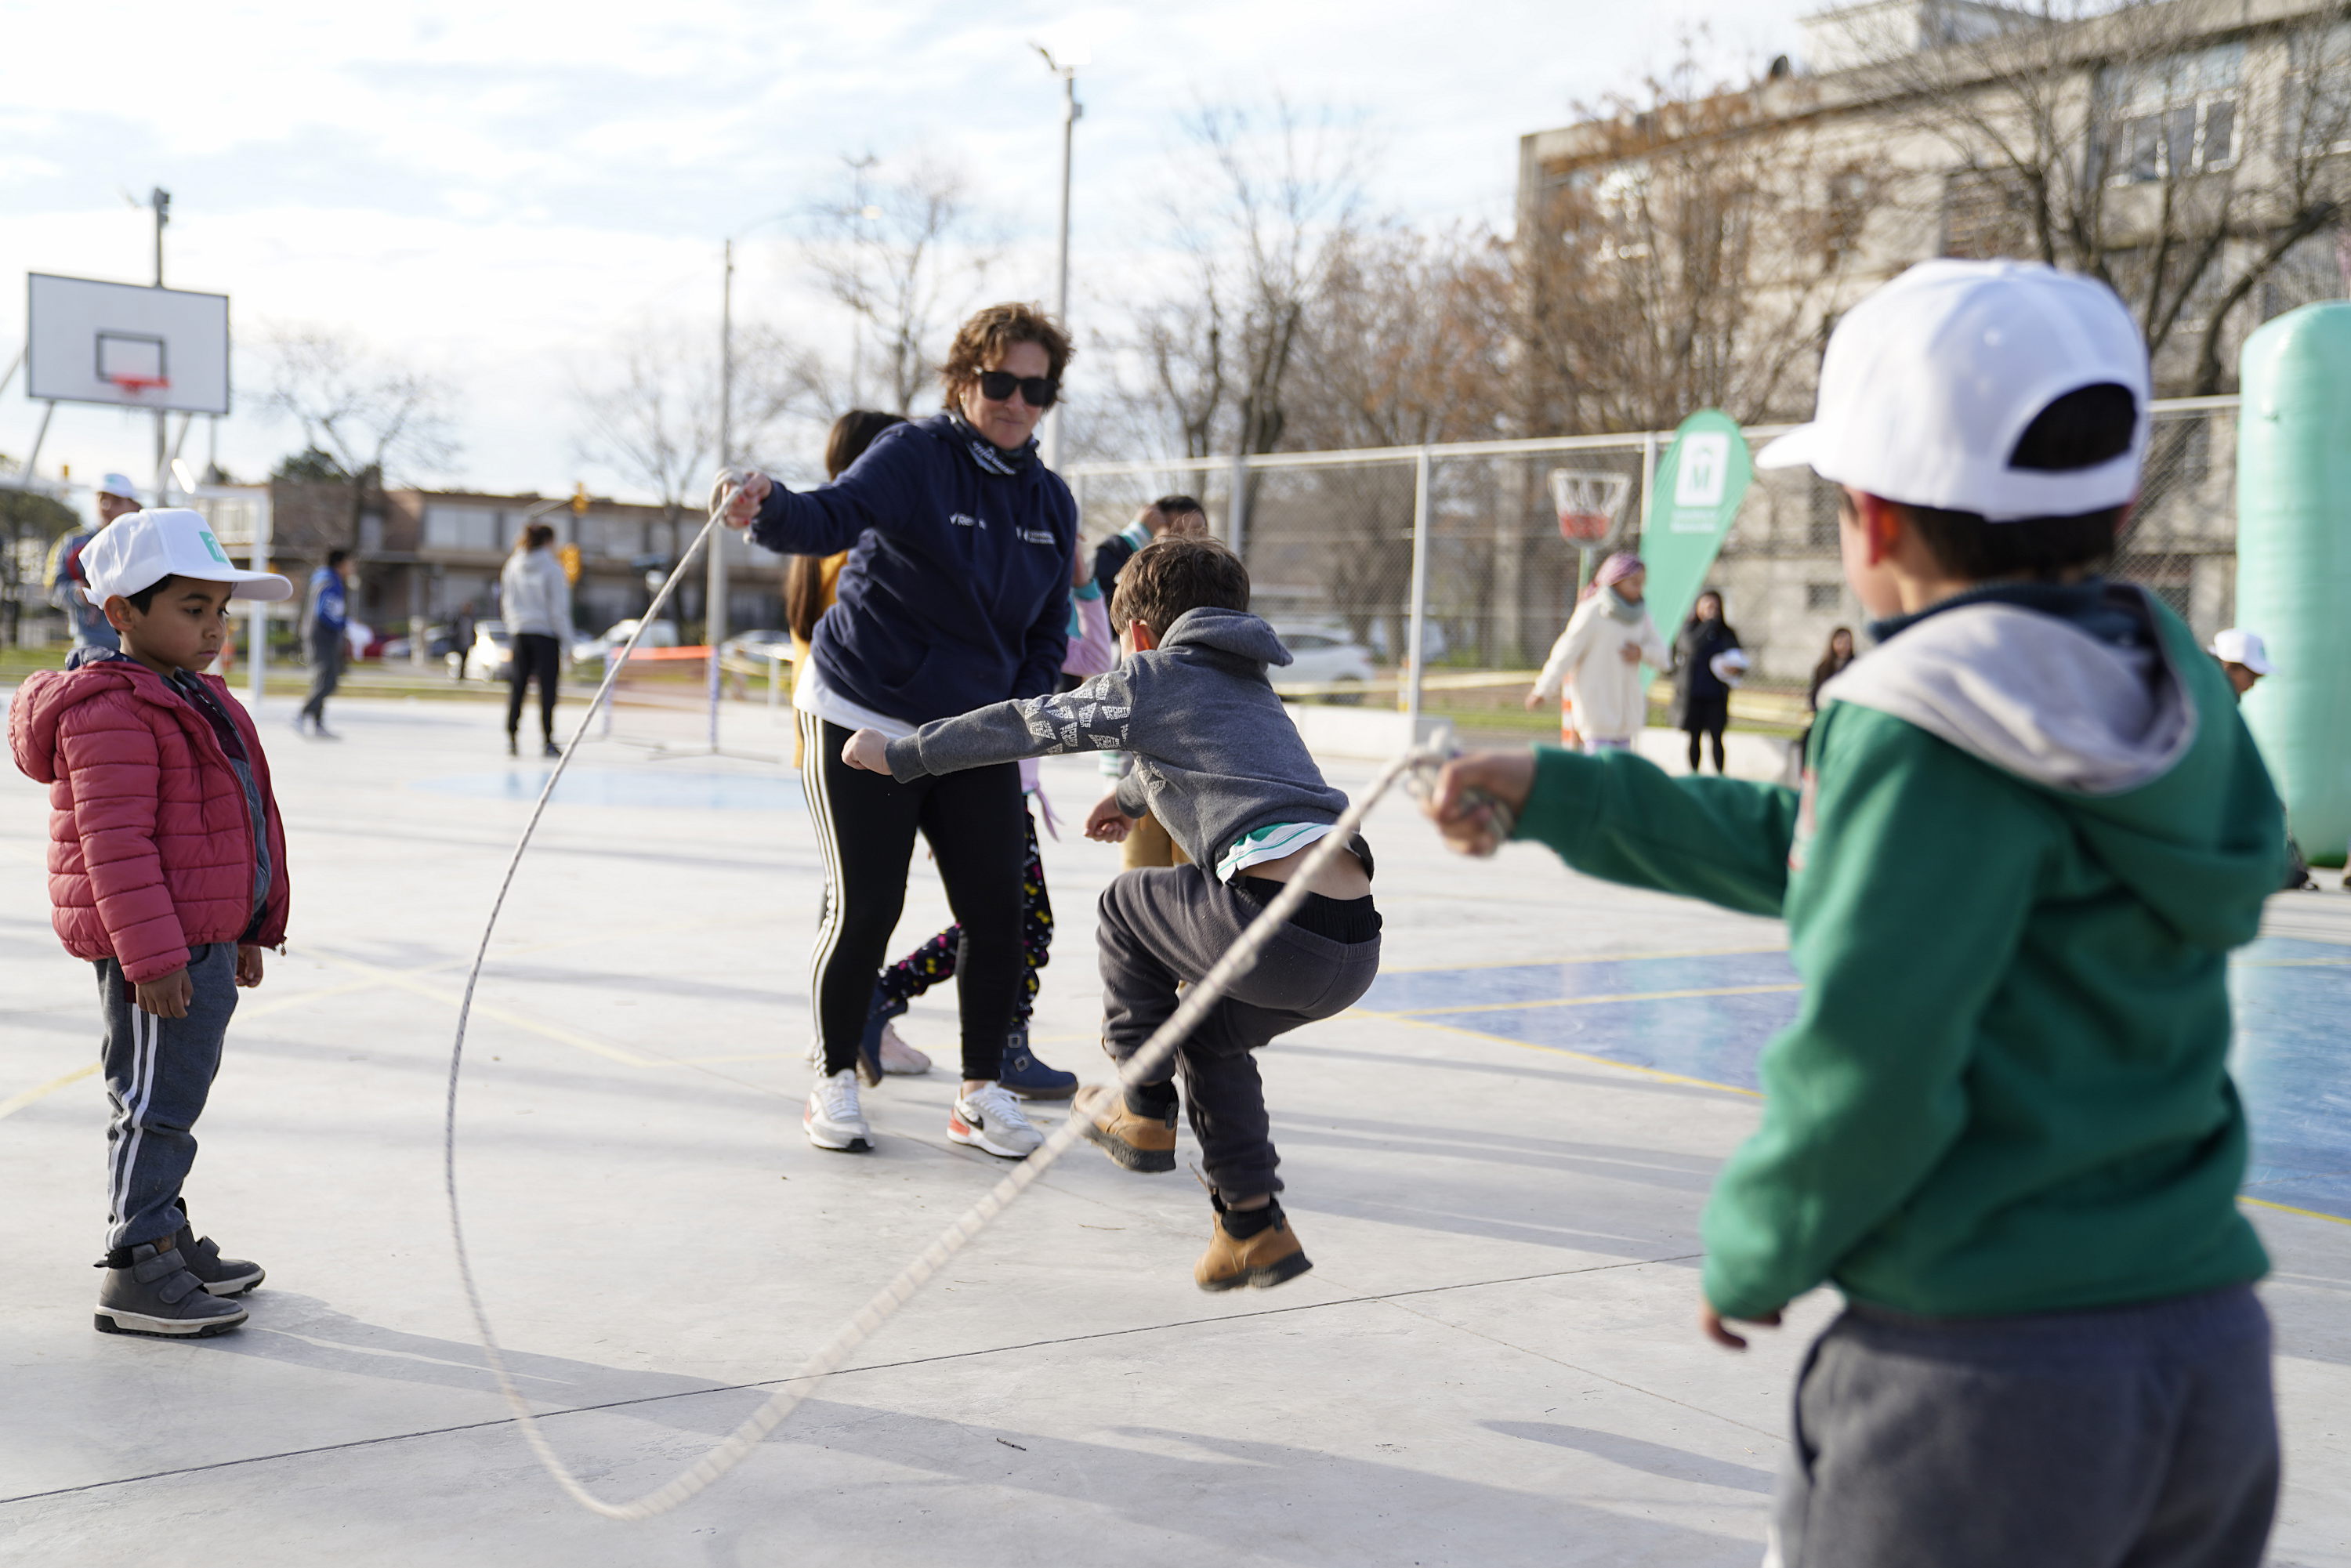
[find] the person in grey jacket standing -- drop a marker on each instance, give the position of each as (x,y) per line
(535,599)
(1219,761)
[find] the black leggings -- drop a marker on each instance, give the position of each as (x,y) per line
(537,656)
(865,825)
(1707,716)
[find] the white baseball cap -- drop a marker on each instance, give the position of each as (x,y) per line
(141,550)
(117,485)
(2236,646)
(1929,381)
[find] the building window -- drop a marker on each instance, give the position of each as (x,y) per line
(1821,597)
(1983,217)
(463,528)
(2317,102)
(2176,116)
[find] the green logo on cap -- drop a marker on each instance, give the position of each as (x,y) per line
(213,544)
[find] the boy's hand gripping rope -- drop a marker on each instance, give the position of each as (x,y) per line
(738,1445)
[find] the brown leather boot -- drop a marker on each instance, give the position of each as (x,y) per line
(1270,1257)
(1138,1142)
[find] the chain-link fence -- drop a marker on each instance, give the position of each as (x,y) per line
(1330,539)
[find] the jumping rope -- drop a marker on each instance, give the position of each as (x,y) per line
(738,1445)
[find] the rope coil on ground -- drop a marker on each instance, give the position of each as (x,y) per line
(738,1445)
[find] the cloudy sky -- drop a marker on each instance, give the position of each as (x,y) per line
(492,190)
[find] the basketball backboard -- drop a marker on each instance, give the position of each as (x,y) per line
(89,341)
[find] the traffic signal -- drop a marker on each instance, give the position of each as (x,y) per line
(579,500)
(569,556)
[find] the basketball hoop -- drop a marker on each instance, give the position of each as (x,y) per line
(1591,504)
(139,386)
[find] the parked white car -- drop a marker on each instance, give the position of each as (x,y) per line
(1322,656)
(660,634)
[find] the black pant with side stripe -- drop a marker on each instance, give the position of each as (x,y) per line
(865,826)
(159,1071)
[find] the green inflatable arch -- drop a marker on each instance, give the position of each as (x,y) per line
(2293,562)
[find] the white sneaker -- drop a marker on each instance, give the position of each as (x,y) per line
(990,1118)
(833,1118)
(898,1058)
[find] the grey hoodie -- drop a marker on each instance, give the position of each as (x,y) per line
(1215,756)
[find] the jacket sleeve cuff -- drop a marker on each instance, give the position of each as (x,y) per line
(905,758)
(1564,800)
(1088,589)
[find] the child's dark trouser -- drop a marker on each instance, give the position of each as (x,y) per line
(1165,927)
(2141,1434)
(158,1072)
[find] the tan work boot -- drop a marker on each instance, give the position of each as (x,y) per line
(1271,1256)
(1138,1142)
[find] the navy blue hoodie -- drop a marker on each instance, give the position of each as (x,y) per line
(956,591)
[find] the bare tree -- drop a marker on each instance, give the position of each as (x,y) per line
(1279,192)
(2181,151)
(1687,259)
(647,404)
(369,412)
(905,250)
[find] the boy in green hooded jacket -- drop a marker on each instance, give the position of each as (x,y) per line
(2032,827)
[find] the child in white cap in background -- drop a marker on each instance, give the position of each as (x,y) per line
(2032,828)
(167,871)
(117,496)
(2244,658)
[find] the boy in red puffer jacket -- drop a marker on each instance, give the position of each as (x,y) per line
(167,871)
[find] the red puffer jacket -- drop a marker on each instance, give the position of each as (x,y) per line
(150,844)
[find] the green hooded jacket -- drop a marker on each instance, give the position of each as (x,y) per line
(2032,828)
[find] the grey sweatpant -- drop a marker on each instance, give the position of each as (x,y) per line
(2139,1437)
(158,1073)
(1161,927)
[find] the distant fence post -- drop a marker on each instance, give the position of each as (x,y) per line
(1236,509)
(1415,640)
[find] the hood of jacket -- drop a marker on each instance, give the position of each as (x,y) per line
(2100,699)
(1234,633)
(48,696)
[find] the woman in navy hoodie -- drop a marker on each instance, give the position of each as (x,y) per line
(956,595)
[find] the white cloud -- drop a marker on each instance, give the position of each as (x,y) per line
(490,189)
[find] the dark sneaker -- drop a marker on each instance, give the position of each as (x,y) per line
(1138,1142)
(219,1276)
(1267,1257)
(869,1050)
(552,749)
(513,747)
(155,1294)
(1029,1078)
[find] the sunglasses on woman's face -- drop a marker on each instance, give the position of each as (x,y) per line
(996,386)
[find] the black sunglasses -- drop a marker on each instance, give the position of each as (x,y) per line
(1040,391)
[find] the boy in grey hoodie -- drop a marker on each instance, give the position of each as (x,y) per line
(1218,762)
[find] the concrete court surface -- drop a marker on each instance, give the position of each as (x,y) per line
(1493,1361)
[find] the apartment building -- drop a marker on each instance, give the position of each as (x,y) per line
(2194,151)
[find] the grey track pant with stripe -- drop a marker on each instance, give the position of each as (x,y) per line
(158,1073)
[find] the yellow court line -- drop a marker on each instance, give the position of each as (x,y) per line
(1585,1056)
(555,1032)
(16,1102)
(1587,1001)
(2289,1208)
(1589,958)
(1734,1088)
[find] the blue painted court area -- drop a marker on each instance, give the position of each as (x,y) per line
(652,787)
(1706,1016)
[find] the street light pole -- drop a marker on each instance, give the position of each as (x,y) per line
(1071,109)
(713,591)
(160,200)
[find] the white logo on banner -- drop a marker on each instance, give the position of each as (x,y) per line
(1701,478)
